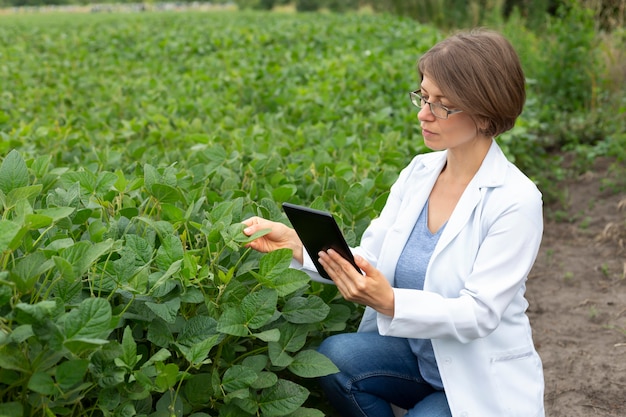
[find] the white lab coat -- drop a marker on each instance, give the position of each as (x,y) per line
(473,305)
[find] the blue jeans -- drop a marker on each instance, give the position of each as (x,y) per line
(375,371)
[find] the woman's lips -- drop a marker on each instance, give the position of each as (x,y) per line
(427,133)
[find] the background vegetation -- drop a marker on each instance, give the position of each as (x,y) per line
(133,145)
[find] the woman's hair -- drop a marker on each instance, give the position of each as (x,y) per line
(480,73)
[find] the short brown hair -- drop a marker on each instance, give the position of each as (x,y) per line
(481,74)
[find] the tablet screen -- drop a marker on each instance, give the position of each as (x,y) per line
(318,231)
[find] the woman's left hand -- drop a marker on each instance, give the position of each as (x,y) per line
(370,288)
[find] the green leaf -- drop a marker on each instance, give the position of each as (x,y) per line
(238,377)
(354,199)
(167,375)
(283,398)
(311,309)
(256,310)
(337,318)
(129,357)
(9,233)
(167,310)
(66,269)
(197,390)
(197,354)
(170,251)
(163,285)
(159,333)
(161,356)
(312,364)
(259,307)
(29,269)
(34,313)
(293,337)
(278,354)
(271,335)
(71,372)
(167,194)
(264,380)
(12,357)
(197,329)
(13,172)
(233,322)
(56,213)
(285,283)
(91,320)
(86,179)
(105,182)
(42,383)
(306,412)
(284,193)
(274,263)
(11,409)
(37,221)
(27,193)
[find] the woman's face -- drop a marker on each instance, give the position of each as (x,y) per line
(456,132)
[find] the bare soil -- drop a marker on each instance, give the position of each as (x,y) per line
(577,295)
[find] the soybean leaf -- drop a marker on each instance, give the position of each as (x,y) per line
(170,251)
(275,263)
(283,398)
(9,233)
(311,309)
(11,409)
(129,357)
(167,310)
(166,194)
(238,377)
(91,320)
(312,364)
(306,412)
(259,307)
(85,179)
(34,313)
(197,353)
(197,329)
(28,270)
(105,181)
(42,383)
(13,172)
(22,194)
(286,282)
(197,389)
(71,372)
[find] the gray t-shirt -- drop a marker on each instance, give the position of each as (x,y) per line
(410,273)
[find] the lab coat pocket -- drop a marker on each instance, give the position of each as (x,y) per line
(519,382)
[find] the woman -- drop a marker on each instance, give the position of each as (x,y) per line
(445,331)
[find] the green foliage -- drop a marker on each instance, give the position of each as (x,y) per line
(119,297)
(308,5)
(134,145)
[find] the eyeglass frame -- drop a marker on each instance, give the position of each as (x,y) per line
(417,99)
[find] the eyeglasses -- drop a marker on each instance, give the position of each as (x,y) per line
(438,110)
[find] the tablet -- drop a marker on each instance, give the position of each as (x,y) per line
(318,231)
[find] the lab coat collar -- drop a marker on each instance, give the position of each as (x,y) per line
(491,173)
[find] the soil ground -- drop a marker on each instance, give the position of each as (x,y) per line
(577,296)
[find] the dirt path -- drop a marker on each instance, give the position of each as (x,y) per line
(577,295)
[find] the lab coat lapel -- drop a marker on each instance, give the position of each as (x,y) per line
(416,195)
(490,174)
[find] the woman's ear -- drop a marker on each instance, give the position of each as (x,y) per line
(484,127)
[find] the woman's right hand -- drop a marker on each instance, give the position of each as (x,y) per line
(279,237)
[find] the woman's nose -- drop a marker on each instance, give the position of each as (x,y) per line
(425,114)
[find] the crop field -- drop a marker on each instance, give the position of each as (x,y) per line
(132,147)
